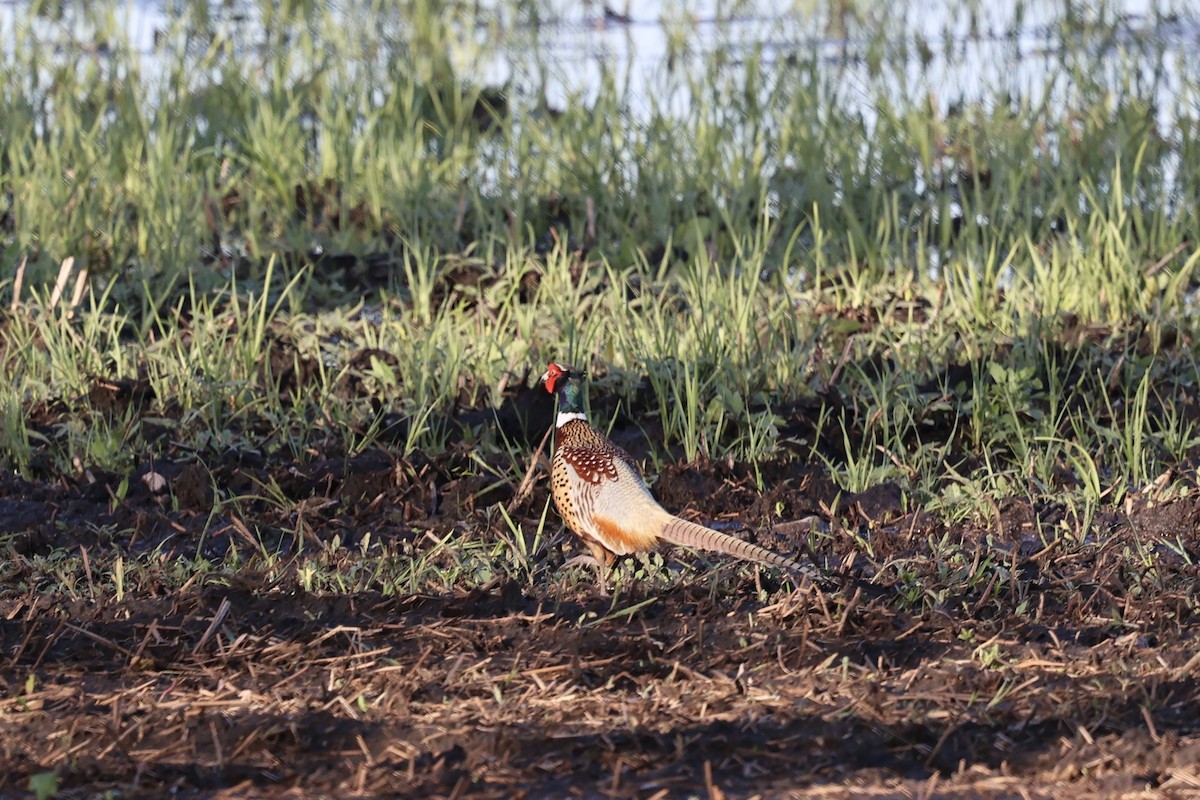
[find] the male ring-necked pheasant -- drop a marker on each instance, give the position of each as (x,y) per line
(602,497)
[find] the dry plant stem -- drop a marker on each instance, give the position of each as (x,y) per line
(64,272)
(526,485)
(217,620)
(81,284)
(17,281)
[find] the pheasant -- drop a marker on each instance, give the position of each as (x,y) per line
(602,497)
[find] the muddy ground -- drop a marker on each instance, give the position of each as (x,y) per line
(969,660)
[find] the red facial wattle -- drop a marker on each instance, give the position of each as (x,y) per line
(553,374)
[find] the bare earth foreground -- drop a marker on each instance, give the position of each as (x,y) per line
(1064,670)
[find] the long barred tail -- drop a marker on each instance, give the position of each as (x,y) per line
(689,534)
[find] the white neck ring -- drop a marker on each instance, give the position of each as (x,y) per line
(567,416)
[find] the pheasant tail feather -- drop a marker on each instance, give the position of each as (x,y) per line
(689,534)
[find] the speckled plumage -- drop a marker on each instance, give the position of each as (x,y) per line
(600,493)
(604,500)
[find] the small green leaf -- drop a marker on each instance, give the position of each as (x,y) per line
(43,785)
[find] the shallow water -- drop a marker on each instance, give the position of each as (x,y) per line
(942,54)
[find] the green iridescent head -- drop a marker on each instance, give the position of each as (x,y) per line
(567,383)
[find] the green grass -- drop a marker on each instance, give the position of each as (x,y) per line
(765,247)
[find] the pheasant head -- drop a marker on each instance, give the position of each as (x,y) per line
(565,383)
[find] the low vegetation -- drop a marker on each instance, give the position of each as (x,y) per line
(277,282)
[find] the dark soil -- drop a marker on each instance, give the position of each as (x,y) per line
(977,660)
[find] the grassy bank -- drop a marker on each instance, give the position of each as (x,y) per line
(986,301)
